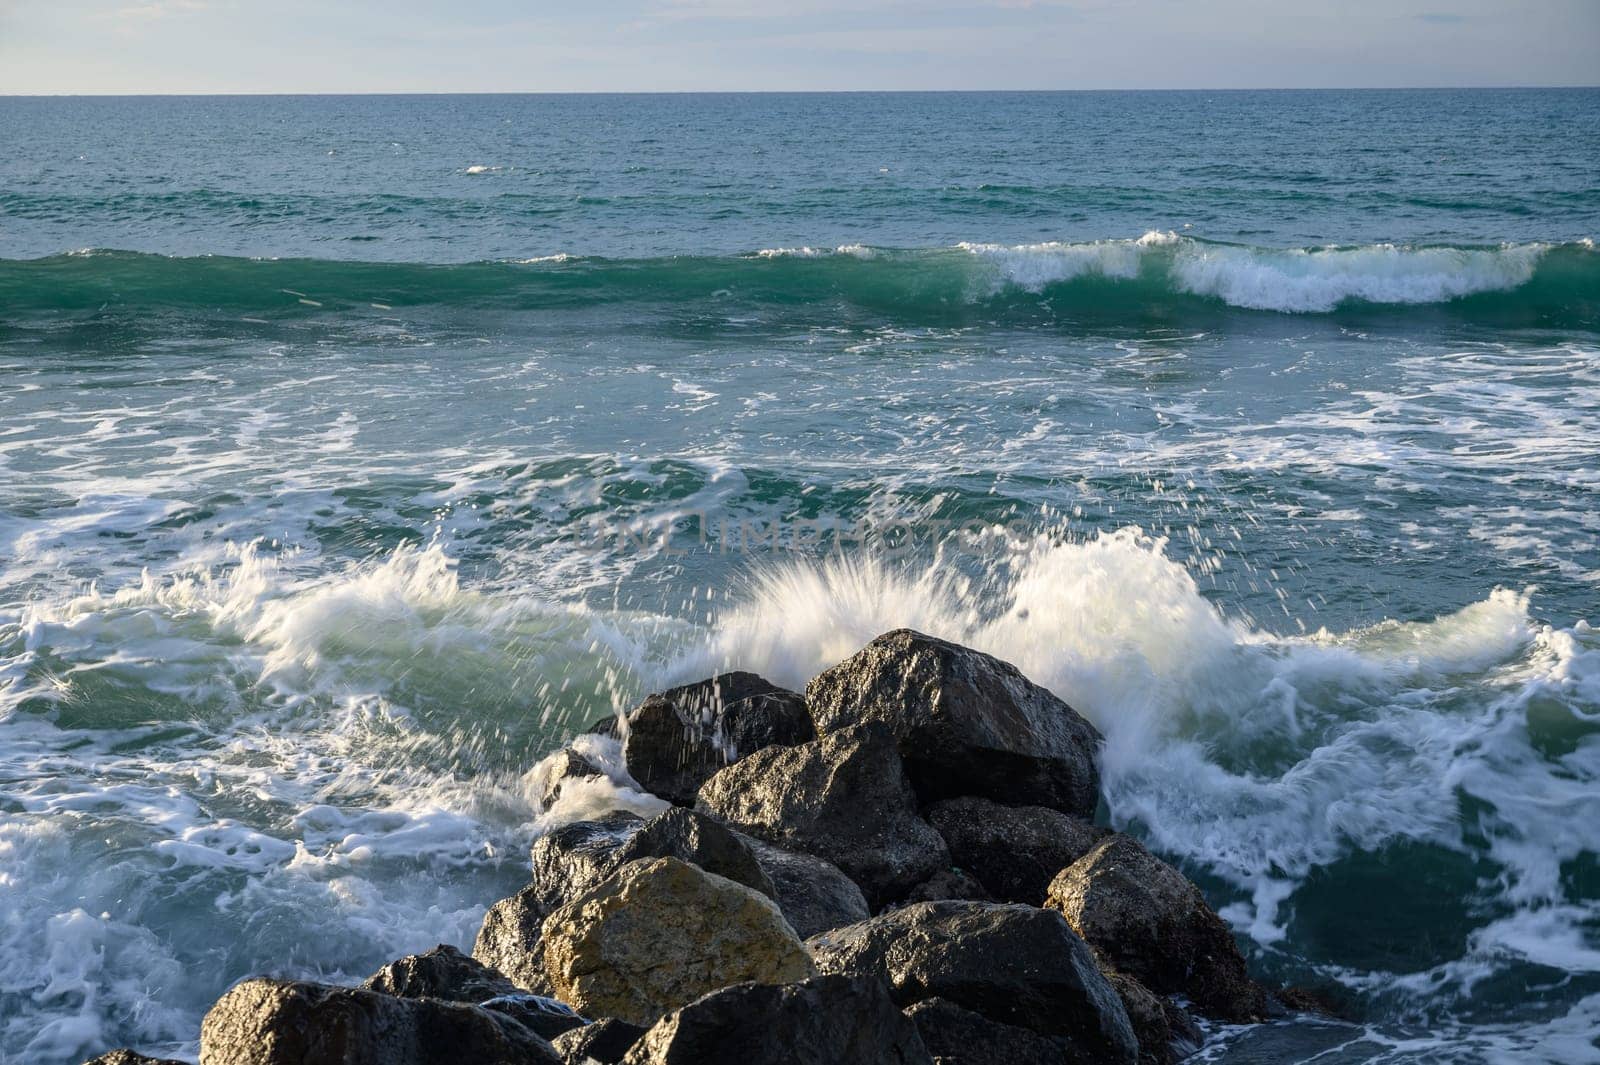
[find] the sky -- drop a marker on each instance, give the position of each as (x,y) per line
(298,46)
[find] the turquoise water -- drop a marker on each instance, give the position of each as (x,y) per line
(356,451)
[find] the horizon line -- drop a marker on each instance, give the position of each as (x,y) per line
(110,94)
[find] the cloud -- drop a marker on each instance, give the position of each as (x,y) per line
(1441,18)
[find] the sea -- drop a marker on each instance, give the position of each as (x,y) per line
(357,452)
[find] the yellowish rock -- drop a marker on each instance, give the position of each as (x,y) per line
(659,933)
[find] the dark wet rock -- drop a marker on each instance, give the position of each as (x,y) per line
(659,933)
(443,972)
(272,1022)
(679,738)
(957,1036)
(603,1041)
(561,767)
(704,841)
(947,884)
(813,894)
(124,1056)
(966,723)
(827,1020)
(844,798)
(1321,1002)
(610,725)
(508,941)
(1014,964)
(1013,851)
(1152,1018)
(574,858)
(1145,919)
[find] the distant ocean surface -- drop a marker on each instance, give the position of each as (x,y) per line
(354,452)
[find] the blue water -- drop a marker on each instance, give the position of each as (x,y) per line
(354,452)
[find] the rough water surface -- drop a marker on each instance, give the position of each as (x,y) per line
(355,452)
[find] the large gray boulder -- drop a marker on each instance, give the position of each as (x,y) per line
(678,738)
(957,1036)
(1014,964)
(1145,919)
(813,894)
(827,1020)
(1013,851)
(273,1022)
(967,723)
(659,933)
(844,798)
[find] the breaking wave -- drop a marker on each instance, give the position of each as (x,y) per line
(1155,276)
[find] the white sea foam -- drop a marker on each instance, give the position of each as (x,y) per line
(1289,280)
(854,251)
(1033,266)
(1320,280)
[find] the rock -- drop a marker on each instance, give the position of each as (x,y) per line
(1319,1002)
(509,940)
(826,1020)
(610,725)
(957,1036)
(813,894)
(1144,919)
(272,1022)
(1013,851)
(694,837)
(947,884)
(678,738)
(1151,1017)
(603,1041)
(566,764)
(659,933)
(576,857)
(124,1056)
(844,798)
(967,723)
(443,972)
(1013,964)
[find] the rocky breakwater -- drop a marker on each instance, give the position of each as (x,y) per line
(899,866)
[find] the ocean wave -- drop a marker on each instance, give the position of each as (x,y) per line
(1161,274)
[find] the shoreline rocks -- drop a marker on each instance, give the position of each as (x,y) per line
(966,722)
(1012,851)
(1144,918)
(278,1022)
(824,1020)
(1013,964)
(844,798)
(898,868)
(678,738)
